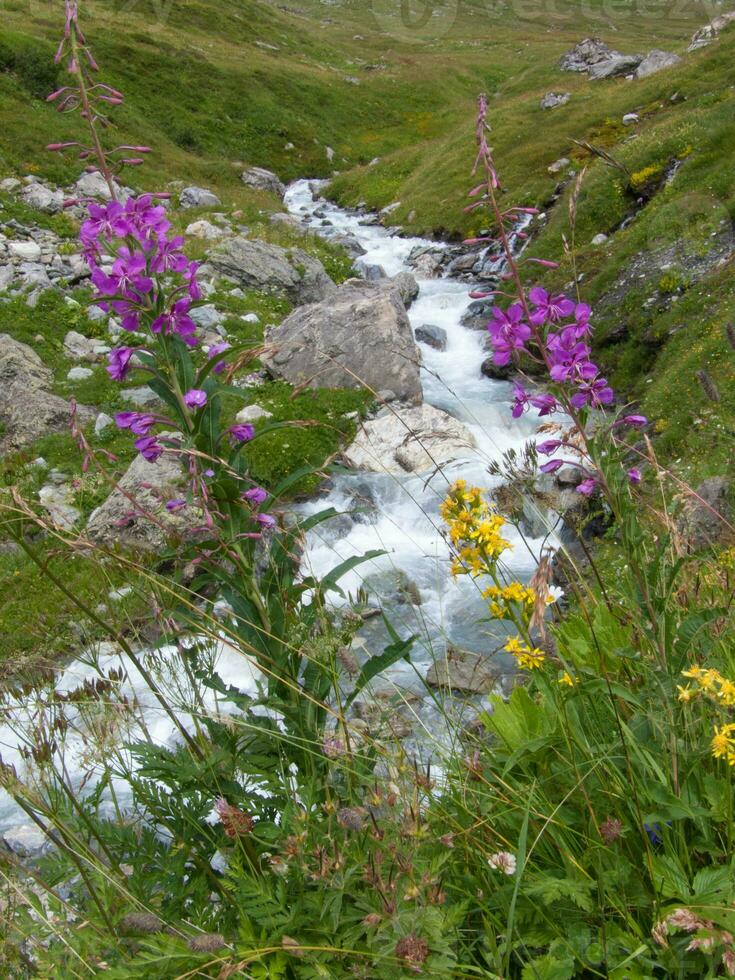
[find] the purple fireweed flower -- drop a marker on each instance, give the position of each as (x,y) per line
(549,308)
(552,466)
(174,505)
(128,269)
(241,433)
(146,220)
(521,400)
(582,314)
(267,520)
(587,487)
(216,349)
(119,362)
(196,398)
(137,422)
(634,475)
(508,333)
(148,448)
(104,221)
(190,274)
(545,403)
(254,496)
(178,321)
(634,421)
(548,447)
(595,393)
(169,257)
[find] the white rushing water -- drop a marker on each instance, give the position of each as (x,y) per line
(405,522)
(401,519)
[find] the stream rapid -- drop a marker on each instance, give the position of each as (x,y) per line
(401,519)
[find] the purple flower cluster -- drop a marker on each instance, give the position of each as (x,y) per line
(560,328)
(136,234)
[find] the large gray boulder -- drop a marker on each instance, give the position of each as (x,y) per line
(30,413)
(585,54)
(134,515)
(656,61)
(272,269)
(358,337)
(263,180)
(20,363)
(618,64)
(408,439)
(27,409)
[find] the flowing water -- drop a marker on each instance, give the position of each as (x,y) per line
(404,520)
(401,519)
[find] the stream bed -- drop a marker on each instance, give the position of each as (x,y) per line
(395,513)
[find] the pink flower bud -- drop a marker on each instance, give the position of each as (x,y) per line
(54,147)
(545,263)
(132,161)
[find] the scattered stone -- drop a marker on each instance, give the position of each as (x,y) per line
(253,413)
(21,365)
(30,413)
(198,197)
(372,272)
(599,239)
(43,198)
(656,61)
(264,180)
(205,230)
(289,221)
(358,337)
(435,337)
(408,440)
(207,317)
(79,374)
(57,502)
(270,268)
(710,32)
(95,185)
(393,585)
(554,99)
(9,185)
(558,165)
(630,118)
(102,423)
(142,397)
(250,318)
(26,251)
(496,372)
(462,670)
(477,315)
(708,515)
(148,524)
(80,348)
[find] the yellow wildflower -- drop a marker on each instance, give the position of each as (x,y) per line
(531,659)
(694,673)
(686,694)
(723,744)
(726,692)
(709,680)
(567,679)
(514,645)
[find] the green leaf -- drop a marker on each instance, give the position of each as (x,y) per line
(399,650)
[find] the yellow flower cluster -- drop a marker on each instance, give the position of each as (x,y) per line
(708,682)
(723,744)
(527,658)
(474,530)
(501,599)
